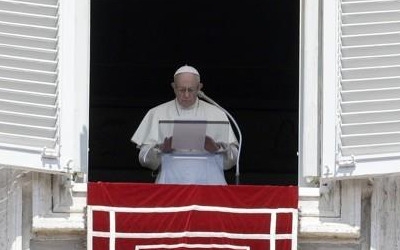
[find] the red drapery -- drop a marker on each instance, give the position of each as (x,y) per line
(161,216)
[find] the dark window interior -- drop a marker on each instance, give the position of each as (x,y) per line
(247,55)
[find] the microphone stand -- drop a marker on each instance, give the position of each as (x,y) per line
(203,96)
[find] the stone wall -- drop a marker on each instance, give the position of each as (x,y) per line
(15,209)
(27,220)
(26,198)
(385,213)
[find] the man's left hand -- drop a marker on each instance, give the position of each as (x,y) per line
(210,145)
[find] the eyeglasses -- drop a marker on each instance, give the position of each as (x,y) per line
(183,91)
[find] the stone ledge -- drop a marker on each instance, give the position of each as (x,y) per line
(314,227)
(59,223)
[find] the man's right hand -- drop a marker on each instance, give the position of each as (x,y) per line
(166,146)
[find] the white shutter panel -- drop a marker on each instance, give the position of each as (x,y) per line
(29,128)
(369,86)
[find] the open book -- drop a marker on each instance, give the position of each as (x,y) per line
(189,135)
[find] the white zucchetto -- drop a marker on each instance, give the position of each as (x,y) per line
(187,69)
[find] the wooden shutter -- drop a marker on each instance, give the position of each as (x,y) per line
(369,87)
(29,109)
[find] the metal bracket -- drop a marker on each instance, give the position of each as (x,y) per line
(50,153)
(347,162)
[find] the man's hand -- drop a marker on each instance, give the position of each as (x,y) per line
(166,146)
(210,145)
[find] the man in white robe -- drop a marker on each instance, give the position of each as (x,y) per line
(157,154)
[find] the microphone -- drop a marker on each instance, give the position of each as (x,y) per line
(203,96)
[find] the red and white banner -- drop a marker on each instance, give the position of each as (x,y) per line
(161,216)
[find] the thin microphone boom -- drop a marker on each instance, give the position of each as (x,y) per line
(208,99)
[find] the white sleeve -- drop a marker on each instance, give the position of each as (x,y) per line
(230,152)
(149,156)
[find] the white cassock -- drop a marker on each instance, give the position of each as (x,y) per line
(187,168)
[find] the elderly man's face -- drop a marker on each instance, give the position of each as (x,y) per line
(186,86)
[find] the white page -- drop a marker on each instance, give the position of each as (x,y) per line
(189,136)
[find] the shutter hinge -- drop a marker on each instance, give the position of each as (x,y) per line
(70,165)
(347,162)
(50,153)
